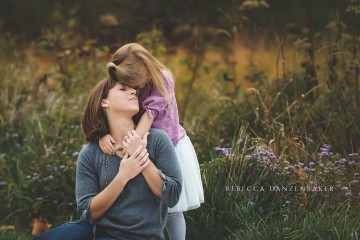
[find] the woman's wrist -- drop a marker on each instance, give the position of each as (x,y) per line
(121,179)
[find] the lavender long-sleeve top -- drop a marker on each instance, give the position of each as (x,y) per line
(165,117)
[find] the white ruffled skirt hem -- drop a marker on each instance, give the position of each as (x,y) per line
(192,194)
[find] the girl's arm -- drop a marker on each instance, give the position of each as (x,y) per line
(144,124)
(106,144)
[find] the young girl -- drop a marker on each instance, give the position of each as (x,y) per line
(135,66)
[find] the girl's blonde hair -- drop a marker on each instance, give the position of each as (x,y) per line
(133,65)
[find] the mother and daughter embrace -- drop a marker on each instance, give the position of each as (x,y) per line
(139,171)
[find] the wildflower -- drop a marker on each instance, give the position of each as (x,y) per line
(311,163)
(345,188)
(251,203)
(348,194)
(353,154)
(2,183)
(75,154)
(225,151)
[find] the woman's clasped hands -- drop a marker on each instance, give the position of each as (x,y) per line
(136,157)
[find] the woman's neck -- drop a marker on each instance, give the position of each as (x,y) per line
(119,127)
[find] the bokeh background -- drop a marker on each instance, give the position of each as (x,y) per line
(268,91)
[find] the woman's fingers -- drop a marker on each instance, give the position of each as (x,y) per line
(137,152)
(134,133)
(130,135)
(144,159)
(147,162)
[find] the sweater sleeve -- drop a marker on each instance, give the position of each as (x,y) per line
(87,186)
(156,102)
(169,170)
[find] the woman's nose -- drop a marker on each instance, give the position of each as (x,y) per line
(132,91)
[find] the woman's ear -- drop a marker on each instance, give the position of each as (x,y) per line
(104,103)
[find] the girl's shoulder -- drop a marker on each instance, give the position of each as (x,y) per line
(168,76)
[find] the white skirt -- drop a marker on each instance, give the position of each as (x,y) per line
(192,193)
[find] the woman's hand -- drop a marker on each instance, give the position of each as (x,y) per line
(132,140)
(131,166)
(106,144)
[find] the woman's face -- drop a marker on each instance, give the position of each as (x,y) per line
(122,98)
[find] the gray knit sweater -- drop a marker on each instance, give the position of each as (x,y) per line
(137,213)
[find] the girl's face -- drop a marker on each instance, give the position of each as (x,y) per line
(121,98)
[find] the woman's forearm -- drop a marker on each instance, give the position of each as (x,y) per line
(153,179)
(105,199)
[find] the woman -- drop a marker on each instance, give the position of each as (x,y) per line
(121,196)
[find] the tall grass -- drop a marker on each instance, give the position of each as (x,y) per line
(237,208)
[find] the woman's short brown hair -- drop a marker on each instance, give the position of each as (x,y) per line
(94,121)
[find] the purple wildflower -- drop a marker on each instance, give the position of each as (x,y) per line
(225,151)
(348,194)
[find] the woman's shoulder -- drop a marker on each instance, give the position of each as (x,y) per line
(157,135)
(88,150)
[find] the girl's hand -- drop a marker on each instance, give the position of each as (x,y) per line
(106,144)
(132,141)
(131,166)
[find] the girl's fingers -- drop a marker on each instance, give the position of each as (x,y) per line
(106,150)
(111,148)
(111,139)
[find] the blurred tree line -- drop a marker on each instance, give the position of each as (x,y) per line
(116,21)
